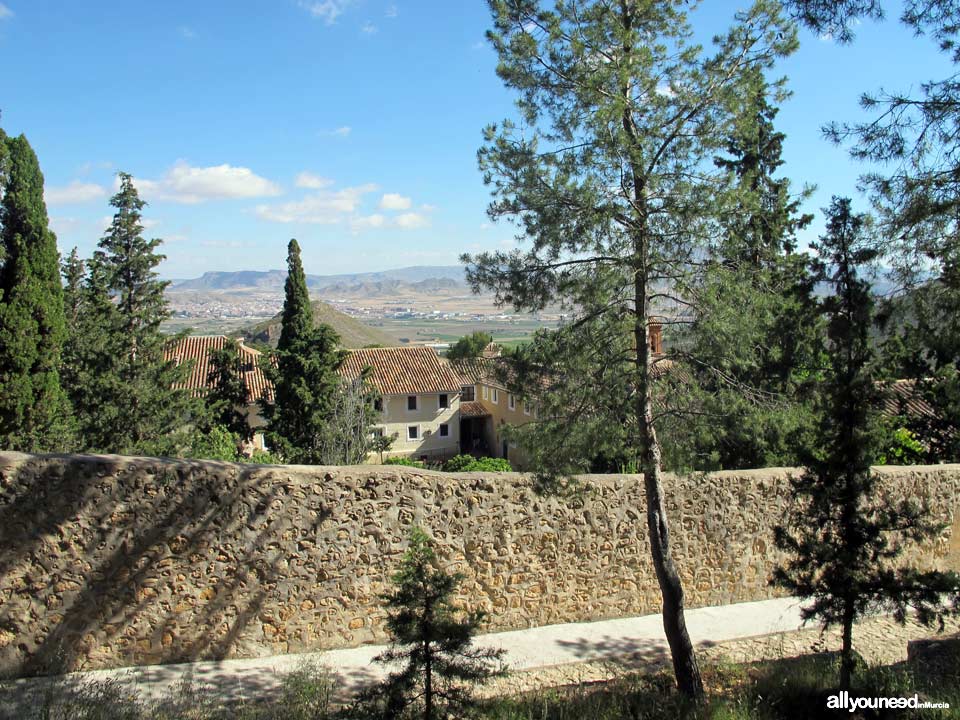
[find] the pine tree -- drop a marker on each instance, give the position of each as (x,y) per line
(303,371)
(125,386)
(33,408)
(228,395)
(608,180)
(844,538)
(432,639)
(912,146)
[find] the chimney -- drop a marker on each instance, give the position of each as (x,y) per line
(656,337)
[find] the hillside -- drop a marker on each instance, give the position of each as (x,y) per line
(353,333)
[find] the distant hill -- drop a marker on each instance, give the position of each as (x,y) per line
(432,276)
(353,333)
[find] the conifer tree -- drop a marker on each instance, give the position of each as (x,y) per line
(33,408)
(911,143)
(844,538)
(608,181)
(228,395)
(432,639)
(136,408)
(754,413)
(304,376)
(297,318)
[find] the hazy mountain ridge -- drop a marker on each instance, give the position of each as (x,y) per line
(418,278)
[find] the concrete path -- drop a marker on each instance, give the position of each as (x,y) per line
(641,638)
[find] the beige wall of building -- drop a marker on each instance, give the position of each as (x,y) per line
(505,409)
(397,419)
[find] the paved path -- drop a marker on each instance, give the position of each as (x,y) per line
(641,638)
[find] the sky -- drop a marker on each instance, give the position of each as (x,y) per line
(352,125)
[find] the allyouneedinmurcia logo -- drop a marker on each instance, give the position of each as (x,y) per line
(844,701)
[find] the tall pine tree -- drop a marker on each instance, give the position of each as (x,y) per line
(608,181)
(33,408)
(130,404)
(844,538)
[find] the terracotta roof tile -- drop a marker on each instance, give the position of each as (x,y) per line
(473,410)
(402,370)
(903,399)
(199,348)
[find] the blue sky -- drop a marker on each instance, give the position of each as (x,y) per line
(351,125)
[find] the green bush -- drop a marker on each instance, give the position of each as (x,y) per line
(402,460)
(469,463)
(902,448)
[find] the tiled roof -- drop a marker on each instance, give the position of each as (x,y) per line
(199,348)
(903,399)
(473,410)
(402,370)
(473,370)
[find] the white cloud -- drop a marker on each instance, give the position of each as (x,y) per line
(191,185)
(325,207)
(89,167)
(412,221)
(366,222)
(326,10)
(5,12)
(61,225)
(187,33)
(391,11)
(369,28)
(342,131)
(394,201)
(75,192)
(311,181)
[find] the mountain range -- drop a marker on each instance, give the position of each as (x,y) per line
(420,278)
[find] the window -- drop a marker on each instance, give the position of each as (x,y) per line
(484,389)
(444,430)
(411,402)
(378,404)
(444,401)
(413,432)
(467,394)
(526,407)
(511,401)
(495,396)
(377,432)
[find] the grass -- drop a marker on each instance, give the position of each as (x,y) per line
(786,689)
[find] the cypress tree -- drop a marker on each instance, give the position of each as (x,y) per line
(297,320)
(755,410)
(33,407)
(304,376)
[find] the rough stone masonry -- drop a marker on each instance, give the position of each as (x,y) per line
(109,561)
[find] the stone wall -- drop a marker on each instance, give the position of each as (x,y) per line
(108,561)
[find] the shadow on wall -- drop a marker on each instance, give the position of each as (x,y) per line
(123,592)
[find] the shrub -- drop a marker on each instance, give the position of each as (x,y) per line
(402,460)
(469,463)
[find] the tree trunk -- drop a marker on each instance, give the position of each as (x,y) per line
(846,651)
(685,666)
